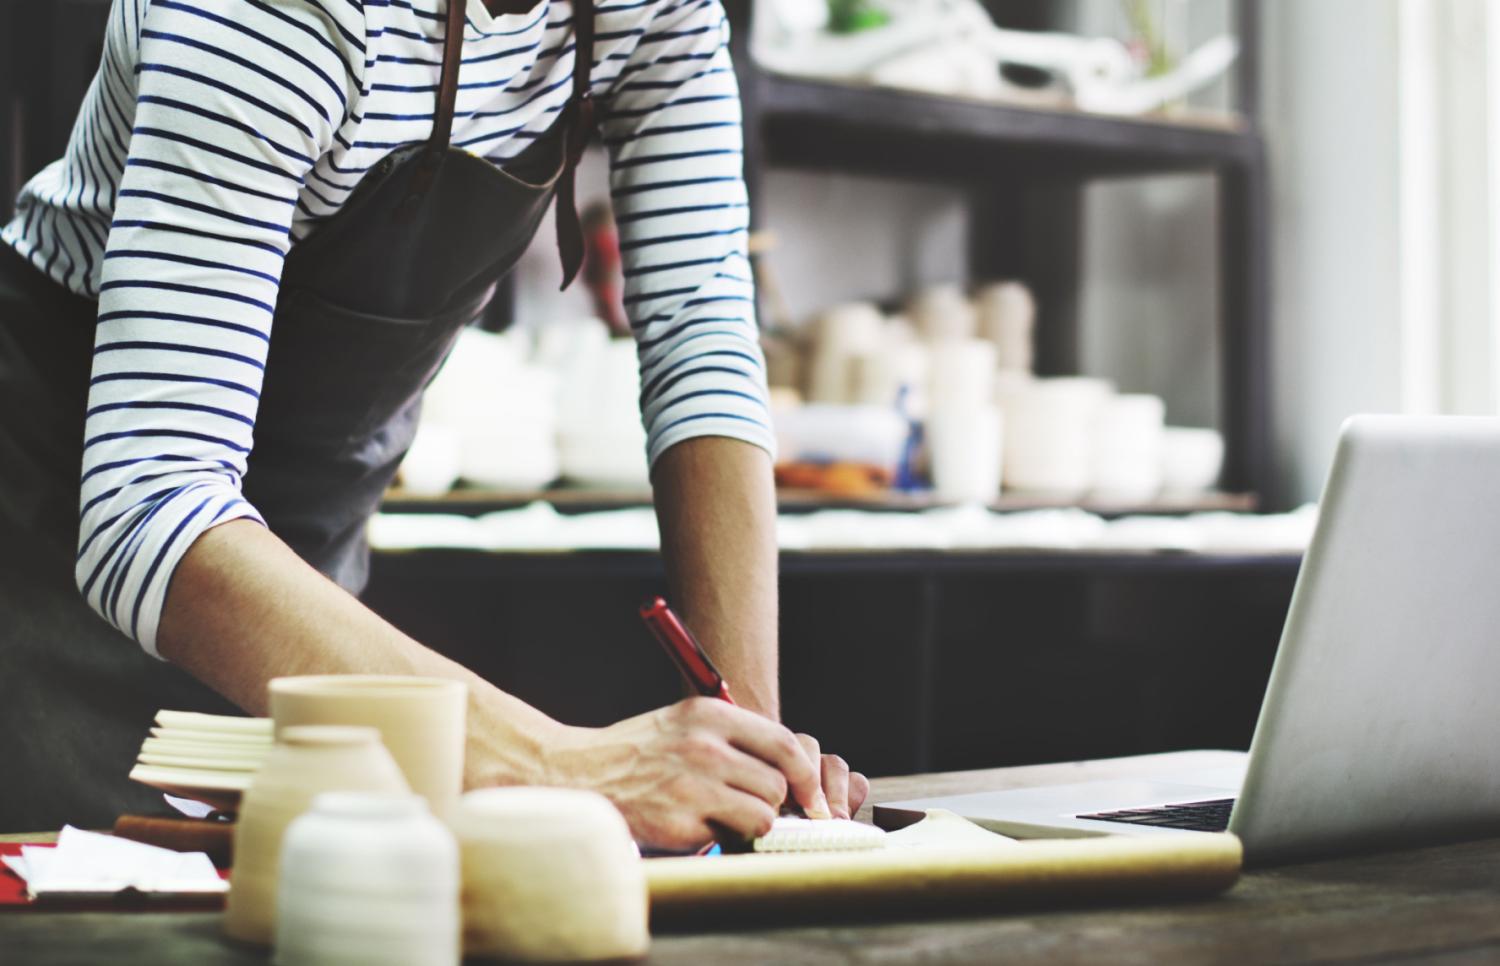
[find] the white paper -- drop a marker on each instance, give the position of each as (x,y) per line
(189,807)
(91,863)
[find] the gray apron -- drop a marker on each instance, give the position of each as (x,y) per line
(370,306)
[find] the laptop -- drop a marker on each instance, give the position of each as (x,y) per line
(1381,723)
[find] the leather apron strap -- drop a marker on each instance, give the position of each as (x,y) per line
(578,119)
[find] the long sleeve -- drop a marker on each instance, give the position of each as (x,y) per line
(672,127)
(233,103)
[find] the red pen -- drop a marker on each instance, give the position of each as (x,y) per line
(684,650)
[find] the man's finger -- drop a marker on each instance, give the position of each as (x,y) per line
(749,774)
(745,815)
(859,790)
(836,785)
(775,745)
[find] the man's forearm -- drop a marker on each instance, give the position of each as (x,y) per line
(716,504)
(243,608)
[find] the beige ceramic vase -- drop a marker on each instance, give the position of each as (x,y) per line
(550,875)
(304,763)
(421,722)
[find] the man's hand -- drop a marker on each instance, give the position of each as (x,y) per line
(685,773)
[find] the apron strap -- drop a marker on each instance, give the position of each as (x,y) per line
(442,121)
(453,46)
(579,117)
(578,125)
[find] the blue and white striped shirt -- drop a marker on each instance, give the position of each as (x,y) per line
(218,133)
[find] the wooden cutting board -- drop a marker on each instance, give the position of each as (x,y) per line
(945,876)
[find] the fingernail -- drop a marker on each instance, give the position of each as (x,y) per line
(820,807)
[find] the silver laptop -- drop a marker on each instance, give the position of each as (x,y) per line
(1381,723)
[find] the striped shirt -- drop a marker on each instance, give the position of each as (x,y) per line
(218,133)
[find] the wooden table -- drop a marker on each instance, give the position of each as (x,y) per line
(1439,905)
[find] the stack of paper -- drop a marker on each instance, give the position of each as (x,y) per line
(90,865)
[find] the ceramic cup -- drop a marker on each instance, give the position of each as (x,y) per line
(421,722)
(1128,448)
(1050,432)
(964,450)
(368,879)
(963,375)
(1007,317)
(943,313)
(304,762)
(1192,460)
(842,335)
(549,875)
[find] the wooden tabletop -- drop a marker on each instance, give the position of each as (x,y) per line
(1437,905)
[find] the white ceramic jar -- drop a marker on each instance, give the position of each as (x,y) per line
(368,879)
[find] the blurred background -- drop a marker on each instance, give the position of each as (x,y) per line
(1064,303)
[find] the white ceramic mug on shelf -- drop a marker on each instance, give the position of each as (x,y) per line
(942,313)
(840,336)
(1050,434)
(420,720)
(1128,447)
(964,446)
(962,374)
(1007,317)
(1192,460)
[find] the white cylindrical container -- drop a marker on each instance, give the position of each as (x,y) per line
(368,880)
(1007,317)
(880,377)
(1192,460)
(964,451)
(841,335)
(550,875)
(432,465)
(1050,431)
(1128,449)
(963,375)
(942,313)
(605,445)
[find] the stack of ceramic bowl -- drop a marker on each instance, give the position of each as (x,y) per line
(368,879)
(204,757)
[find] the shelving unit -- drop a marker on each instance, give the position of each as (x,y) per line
(474,502)
(980,658)
(1025,169)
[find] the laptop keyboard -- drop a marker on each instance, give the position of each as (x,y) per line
(1212,816)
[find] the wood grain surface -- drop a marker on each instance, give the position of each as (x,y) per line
(1435,905)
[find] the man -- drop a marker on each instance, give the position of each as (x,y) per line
(233,288)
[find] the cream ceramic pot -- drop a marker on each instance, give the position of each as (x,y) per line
(305,762)
(421,722)
(368,879)
(549,875)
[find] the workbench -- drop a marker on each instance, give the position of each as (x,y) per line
(1437,904)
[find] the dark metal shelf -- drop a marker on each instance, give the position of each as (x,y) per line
(448,564)
(885,131)
(477,502)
